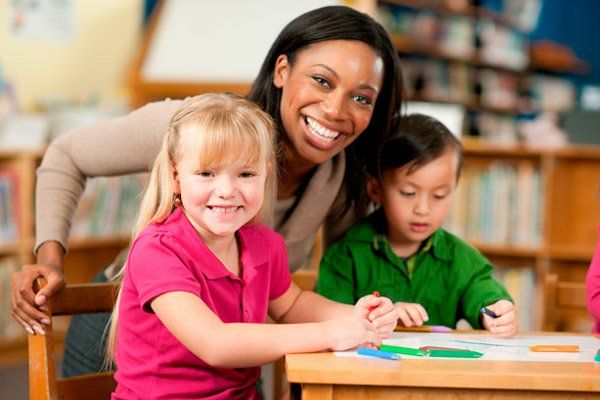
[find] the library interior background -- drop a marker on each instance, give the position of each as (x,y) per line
(517,80)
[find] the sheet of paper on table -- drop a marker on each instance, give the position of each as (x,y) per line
(514,348)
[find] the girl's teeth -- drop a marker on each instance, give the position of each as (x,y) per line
(224,210)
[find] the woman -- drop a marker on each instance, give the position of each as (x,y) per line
(331,82)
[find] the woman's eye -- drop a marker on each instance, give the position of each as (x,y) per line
(364,100)
(321,81)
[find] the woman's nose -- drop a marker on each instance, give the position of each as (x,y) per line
(334,106)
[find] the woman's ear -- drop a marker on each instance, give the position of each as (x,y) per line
(281,71)
(374,190)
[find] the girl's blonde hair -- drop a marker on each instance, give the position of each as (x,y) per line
(219,128)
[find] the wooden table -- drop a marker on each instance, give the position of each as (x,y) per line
(324,376)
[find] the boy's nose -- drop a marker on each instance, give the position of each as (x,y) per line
(422,206)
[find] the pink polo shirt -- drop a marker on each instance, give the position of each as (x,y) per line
(592,287)
(167,257)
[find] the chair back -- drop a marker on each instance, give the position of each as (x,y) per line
(565,306)
(43,383)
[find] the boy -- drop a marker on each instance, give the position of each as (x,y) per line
(400,249)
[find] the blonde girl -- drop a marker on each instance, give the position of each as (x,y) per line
(203,273)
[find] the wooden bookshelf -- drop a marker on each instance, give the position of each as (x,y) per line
(571,206)
(82,262)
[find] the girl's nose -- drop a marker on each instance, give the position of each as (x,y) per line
(225,187)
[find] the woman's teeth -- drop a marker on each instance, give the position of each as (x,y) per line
(320,132)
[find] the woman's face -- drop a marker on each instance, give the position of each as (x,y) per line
(328,97)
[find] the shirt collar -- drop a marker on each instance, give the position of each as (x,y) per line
(252,256)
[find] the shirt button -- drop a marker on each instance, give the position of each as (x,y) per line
(246,314)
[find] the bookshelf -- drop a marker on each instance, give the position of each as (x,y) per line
(87,253)
(569,204)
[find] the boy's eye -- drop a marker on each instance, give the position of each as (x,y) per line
(407,194)
(364,100)
(321,81)
(439,196)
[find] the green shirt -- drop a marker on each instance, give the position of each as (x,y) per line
(447,276)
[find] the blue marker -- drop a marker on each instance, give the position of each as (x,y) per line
(388,355)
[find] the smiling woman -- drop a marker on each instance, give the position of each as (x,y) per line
(332,85)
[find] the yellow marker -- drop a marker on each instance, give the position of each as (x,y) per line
(554,348)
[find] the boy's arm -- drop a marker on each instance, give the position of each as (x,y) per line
(336,275)
(482,290)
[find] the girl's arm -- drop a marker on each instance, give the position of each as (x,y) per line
(592,285)
(298,306)
(239,345)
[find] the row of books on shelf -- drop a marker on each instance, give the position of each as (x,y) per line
(464,37)
(9,329)
(499,206)
(108,207)
(435,80)
(9,206)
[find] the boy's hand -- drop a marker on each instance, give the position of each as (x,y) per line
(380,311)
(411,314)
(506,324)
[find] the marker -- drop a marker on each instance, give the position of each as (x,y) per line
(424,328)
(597,358)
(403,350)
(554,348)
(488,312)
(376,294)
(455,353)
(364,351)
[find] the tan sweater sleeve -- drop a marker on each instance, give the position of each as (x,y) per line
(117,146)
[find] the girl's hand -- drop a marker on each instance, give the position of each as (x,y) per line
(411,314)
(347,332)
(380,311)
(507,323)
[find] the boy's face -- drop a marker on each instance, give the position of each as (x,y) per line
(415,204)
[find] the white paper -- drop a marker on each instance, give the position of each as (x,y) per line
(42,20)
(515,348)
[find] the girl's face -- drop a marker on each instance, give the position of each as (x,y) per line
(328,97)
(221,199)
(416,204)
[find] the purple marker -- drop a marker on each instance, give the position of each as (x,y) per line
(424,328)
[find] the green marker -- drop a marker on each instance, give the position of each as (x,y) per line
(403,350)
(455,353)
(597,358)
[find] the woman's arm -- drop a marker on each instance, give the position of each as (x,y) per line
(118,146)
(239,345)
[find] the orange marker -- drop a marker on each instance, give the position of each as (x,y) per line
(554,348)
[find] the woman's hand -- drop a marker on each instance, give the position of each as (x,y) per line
(507,322)
(348,332)
(411,314)
(380,311)
(27,307)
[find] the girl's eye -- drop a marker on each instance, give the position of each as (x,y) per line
(321,81)
(364,100)
(205,174)
(247,174)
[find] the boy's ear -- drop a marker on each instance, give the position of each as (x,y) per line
(281,71)
(374,190)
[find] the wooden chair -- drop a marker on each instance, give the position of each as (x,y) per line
(565,306)
(43,384)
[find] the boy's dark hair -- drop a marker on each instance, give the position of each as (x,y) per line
(339,23)
(419,140)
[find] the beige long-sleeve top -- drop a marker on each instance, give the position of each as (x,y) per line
(130,143)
